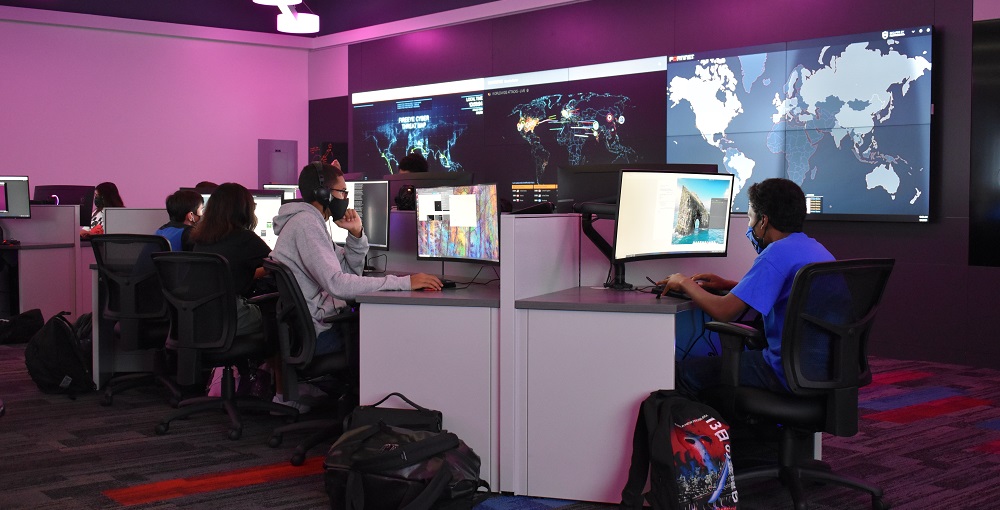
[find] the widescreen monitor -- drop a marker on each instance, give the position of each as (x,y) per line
(672,214)
(61,194)
(599,183)
(426,180)
(371,200)
(290,191)
(458,223)
(14,197)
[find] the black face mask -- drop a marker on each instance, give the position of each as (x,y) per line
(99,202)
(338,207)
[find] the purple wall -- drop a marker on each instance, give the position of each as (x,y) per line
(928,303)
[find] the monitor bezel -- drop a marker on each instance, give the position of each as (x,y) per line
(27,198)
(671,255)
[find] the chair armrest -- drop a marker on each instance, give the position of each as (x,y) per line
(735,337)
(270,297)
(346,314)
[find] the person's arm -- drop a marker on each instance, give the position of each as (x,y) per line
(721,308)
(712,281)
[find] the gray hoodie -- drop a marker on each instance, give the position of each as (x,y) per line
(328,274)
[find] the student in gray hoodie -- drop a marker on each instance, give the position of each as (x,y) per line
(330,274)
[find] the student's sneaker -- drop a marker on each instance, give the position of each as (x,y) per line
(310,390)
(279,399)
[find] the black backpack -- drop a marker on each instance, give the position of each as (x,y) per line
(686,445)
(406,198)
(55,359)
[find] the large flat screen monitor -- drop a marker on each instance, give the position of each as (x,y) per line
(671,214)
(61,194)
(426,180)
(458,223)
(371,200)
(599,183)
(14,197)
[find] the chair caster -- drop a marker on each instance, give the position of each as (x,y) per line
(880,504)
(161,428)
(235,433)
(107,400)
(275,440)
(298,458)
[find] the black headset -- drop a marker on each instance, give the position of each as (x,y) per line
(321,194)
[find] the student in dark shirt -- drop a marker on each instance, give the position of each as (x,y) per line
(227,229)
(184,207)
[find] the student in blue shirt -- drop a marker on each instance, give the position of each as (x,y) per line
(184,207)
(777,212)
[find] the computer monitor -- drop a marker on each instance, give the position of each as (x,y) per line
(458,223)
(599,183)
(672,214)
(291,191)
(61,194)
(371,200)
(426,180)
(268,202)
(14,197)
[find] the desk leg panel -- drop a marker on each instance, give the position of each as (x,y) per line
(587,374)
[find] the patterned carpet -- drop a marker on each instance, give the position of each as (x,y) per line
(930,436)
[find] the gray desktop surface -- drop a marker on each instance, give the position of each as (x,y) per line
(597,299)
(483,296)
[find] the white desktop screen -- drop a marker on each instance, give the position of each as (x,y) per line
(266,210)
(458,223)
(669,214)
(291,191)
(371,200)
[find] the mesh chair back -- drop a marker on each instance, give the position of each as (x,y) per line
(126,269)
(199,289)
(831,310)
(296,332)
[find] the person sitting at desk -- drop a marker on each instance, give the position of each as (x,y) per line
(105,195)
(227,229)
(329,275)
(776,214)
(184,207)
(413,162)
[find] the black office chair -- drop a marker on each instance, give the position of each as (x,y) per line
(824,347)
(131,298)
(199,289)
(297,343)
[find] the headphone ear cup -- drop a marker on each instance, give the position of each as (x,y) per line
(321,194)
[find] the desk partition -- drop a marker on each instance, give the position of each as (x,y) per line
(41,271)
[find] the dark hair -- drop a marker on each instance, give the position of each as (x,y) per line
(182,202)
(782,201)
(207,185)
(413,162)
(309,181)
(230,208)
(109,192)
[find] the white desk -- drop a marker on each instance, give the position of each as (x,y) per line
(441,350)
(592,356)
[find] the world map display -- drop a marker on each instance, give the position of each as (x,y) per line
(848,119)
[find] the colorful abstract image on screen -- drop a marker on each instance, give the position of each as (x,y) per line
(458,223)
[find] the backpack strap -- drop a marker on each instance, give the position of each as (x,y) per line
(409,454)
(638,471)
(432,492)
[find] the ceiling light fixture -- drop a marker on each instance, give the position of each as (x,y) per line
(290,21)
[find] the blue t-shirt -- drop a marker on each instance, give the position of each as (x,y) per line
(768,283)
(177,234)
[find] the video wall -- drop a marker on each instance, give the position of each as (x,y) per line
(847,118)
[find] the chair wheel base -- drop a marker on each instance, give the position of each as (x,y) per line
(298,458)
(235,433)
(161,428)
(107,400)
(275,441)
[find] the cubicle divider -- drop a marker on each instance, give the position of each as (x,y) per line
(41,270)
(131,220)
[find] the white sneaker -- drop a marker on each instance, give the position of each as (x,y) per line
(310,390)
(279,399)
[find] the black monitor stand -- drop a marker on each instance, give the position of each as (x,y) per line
(590,212)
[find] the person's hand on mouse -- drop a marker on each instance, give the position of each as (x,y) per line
(424,281)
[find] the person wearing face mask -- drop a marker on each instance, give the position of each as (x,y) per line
(184,207)
(105,195)
(777,212)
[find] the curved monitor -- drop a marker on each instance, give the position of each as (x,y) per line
(14,197)
(66,194)
(672,214)
(371,200)
(426,180)
(458,223)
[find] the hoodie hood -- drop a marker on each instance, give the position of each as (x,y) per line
(289,210)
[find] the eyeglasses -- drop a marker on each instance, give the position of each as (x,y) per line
(344,191)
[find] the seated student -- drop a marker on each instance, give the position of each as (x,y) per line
(227,229)
(328,274)
(413,162)
(184,207)
(105,195)
(777,212)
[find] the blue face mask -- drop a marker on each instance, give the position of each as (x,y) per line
(757,242)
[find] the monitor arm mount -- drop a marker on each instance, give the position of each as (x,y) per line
(592,211)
